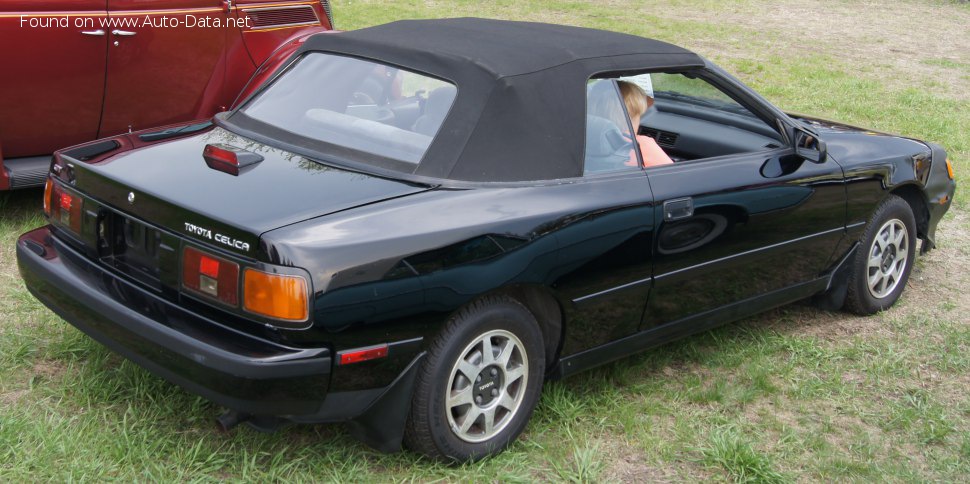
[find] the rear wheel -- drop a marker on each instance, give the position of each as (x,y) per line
(882,264)
(479,384)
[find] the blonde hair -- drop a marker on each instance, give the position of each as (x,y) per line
(636,99)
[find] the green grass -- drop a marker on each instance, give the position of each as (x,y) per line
(795,394)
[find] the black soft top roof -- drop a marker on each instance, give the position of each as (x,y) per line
(520,112)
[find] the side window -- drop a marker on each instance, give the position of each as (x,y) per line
(609,143)
(693,119)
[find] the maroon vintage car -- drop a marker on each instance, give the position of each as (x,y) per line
(77,70)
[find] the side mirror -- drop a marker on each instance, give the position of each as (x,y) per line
(810,147)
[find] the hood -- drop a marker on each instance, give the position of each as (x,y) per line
(847,143)
(169,184)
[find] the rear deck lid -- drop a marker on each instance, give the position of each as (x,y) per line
(170,185)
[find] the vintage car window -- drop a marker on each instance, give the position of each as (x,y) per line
(609,143)
(358,105)
(692,119)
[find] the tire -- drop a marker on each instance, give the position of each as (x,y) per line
(503,389)
(879,273)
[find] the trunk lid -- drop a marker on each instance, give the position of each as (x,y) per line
(169,185)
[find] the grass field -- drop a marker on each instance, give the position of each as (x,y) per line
(795,394)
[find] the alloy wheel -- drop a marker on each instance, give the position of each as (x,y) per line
(887,258)
(486,386)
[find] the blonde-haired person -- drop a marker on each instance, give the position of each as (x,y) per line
(638,102)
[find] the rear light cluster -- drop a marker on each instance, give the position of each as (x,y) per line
(277,296)
(63,206)
(212,276)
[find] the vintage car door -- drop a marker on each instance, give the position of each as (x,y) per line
(604,244)
(166,62)
(53,58)
(739,231)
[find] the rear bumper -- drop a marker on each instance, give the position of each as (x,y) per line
(230,368)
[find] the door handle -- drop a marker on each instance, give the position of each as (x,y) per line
(98,32)
(678,209)
(123,33)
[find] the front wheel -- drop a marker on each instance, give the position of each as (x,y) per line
(883,262)
(479,384)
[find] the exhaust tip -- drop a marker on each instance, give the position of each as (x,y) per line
(229,420)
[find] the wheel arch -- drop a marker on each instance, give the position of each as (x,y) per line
(547,310)
(913,195)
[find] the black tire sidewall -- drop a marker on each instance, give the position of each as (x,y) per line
(501,314)
(860,300)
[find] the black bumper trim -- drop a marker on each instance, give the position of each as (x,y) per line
(261,377)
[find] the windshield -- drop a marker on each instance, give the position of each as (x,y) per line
(358,106)
(695,91)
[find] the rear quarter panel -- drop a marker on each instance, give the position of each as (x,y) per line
(398,269)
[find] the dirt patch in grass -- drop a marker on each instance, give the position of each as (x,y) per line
(630,467)
(47,369)
(13,397)
(914,53)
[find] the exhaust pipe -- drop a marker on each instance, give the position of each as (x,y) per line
(230,419)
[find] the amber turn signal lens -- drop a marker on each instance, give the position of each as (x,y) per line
(48,189)
(949,168)
(275,296)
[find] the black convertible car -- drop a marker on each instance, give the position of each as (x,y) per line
(411,227)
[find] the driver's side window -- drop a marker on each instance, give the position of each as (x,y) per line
(693,119)
(609,142)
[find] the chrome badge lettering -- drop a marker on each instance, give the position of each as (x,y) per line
(217,237)
(196,230)
(231,242)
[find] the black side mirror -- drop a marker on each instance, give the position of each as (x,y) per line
(809,146)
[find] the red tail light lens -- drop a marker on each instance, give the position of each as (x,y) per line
(64,207)
(229,159)
(210,276)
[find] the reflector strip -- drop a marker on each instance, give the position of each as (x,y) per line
(364,354)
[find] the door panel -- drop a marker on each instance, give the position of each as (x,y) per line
(605,251)
(168,65)
(52,84)
(754,229)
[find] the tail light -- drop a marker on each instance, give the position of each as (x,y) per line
(48,191)
(276,296)
(63,206)
(211,276)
